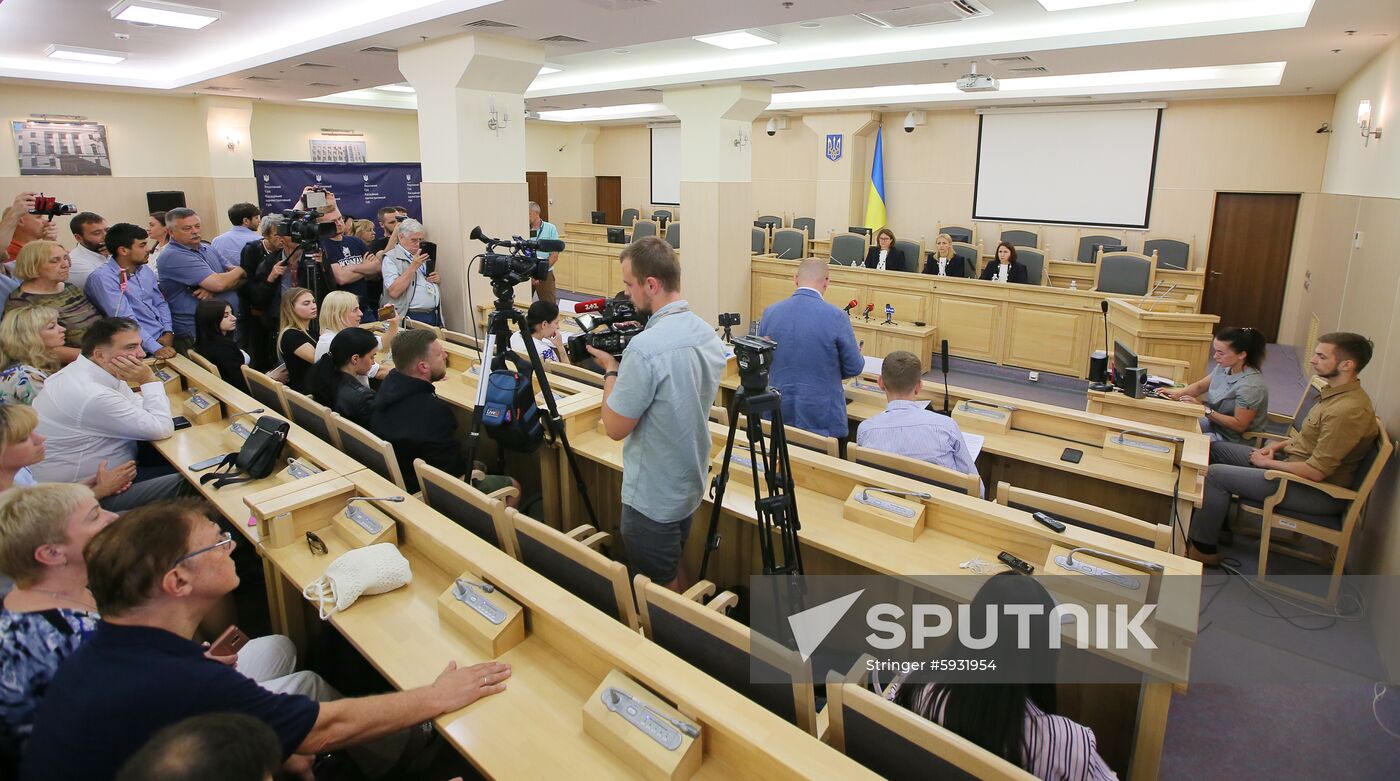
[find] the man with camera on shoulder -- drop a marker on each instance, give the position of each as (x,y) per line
(658,399)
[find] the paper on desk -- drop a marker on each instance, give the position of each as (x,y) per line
(873,365)
(1160,380)
(974,443)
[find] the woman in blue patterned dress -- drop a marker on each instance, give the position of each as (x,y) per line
(29,337)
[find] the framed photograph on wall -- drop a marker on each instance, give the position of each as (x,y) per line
(58,148)
(323,151)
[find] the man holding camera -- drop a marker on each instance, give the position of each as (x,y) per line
(659,401)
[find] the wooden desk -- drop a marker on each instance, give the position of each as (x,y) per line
(879,339)
(1155,411)
(1034,327)
(1183,286)
(590,266)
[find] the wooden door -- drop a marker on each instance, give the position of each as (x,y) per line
(609,198)
(538,184)
(1251,239)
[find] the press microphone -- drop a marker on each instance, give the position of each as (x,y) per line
(592,305)
(854,303)
(870,307)
(889,314)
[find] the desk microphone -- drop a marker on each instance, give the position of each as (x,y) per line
(943,364)
(889,315)
(854,303)
(257,411)
(1105,385)
(870,307)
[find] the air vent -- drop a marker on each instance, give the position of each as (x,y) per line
(379,50)
(221,89)
(321,84)
(1010,60)
(922,15)
(490,23)
(622,5)
(1032,69)
(758,81)
(648,89)
(268,79)
(562,39)
(313,65)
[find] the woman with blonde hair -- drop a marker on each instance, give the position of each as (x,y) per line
(364,231)
(29,341)
(295,344)
(22,447)
(341,310)
(42,268)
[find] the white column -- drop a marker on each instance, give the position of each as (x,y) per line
(227,124)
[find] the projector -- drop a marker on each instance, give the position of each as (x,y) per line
(978,82)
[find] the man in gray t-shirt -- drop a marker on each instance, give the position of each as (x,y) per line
(659,401)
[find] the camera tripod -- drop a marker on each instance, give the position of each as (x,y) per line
(498,344)
(776,511)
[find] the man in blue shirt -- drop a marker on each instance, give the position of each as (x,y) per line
(228,246)
(155,574)
(907,427)
(125,287)
(816,350)
(539,229)
(190,272)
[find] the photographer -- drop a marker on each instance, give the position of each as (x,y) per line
(408,284)
(20,225)
(659,401)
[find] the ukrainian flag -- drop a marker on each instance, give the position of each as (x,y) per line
(875,217)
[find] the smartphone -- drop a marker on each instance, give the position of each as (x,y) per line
(229,643)
(200,466)
(1071,455)
(386,312)
(430,266)
(181,422)
(316,199)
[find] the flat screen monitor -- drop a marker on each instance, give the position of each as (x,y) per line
(1113,247)
(616,236)
(860,229)
(599,218)
(1123,360)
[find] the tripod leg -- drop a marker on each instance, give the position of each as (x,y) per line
(791,548)
(498,332)
(717,487)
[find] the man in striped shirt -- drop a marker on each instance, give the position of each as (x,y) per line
(907,427)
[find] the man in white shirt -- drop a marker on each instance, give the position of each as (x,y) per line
(90,416)
(907,427)
(90,254)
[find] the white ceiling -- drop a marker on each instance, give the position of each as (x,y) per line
(284,41)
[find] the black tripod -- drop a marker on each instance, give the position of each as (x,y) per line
(498,344)
(778,510)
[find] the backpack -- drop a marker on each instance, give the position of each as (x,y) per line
(258,458)
(510,413)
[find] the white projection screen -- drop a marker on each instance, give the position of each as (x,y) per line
(1074,167)
(666,165)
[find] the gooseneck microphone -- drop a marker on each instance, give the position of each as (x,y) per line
(1105,385)
(943,364)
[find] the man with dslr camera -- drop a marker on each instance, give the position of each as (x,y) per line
(659,399)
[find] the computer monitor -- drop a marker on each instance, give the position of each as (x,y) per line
(616,236)
(1113,247)
(599,218)
(861,229)
(1124,360)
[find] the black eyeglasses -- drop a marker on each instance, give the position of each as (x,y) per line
(313,542)
(224,539)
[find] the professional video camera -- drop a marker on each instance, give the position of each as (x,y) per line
(618,315)
(303,228)
(48,206)
(754,354)
(509,270)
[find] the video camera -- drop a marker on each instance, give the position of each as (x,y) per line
(754,354)
(302,227)
(622,320)
(509,270)
(48,206)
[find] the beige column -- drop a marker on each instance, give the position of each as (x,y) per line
(473,174)
(227,124)
(842,184)
(715,211)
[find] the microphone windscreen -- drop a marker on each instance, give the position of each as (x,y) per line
(943,355)
(1103,306)
(593,305)
(551,245)
(476,234)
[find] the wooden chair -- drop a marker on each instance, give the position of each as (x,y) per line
(1334,531)
(913,254)
(959,233)
(719,415)
(363,446)
(913,468)
(848,249)
(899,744)
(417,326)
(313,416)
(720,647)
(1172,253)
(758,241)
(481,514)
(807,225)
(266,390)
(673,234)
(1036,262)
(459,338)
(797,436)
(1157,535)
(1287,427)
(1090,243)
(789,244)
(971,257)
(571,561)
(643,228)
(202,362)
(1020,237)
(1125,273)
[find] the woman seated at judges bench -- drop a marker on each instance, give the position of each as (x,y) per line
(1235,393)
(1006,268)
(885,255)
(943,262)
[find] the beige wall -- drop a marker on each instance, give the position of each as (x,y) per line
(1354,166)
(283,132)
(625,150)
(567,153)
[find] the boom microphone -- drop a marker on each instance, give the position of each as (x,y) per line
(594,305)
(538,245)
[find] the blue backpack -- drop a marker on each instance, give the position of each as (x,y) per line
(510,414)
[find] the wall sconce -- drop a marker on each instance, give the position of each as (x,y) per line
(1363,120)
(232,141)
(742,140)
(494,123)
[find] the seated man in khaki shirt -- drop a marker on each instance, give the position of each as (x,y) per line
(1336,437)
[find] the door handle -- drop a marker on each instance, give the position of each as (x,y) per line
(1216,273)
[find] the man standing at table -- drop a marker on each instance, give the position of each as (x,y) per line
(816,350)
(539,229)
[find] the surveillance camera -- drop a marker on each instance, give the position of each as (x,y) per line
(909,122)
(772,126)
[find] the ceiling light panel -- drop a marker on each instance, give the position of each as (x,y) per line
(82,54)
(163,14)
(396,88)
(739,39)
(1068,5)
(602,113)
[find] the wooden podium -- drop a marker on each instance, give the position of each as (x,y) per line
(1178,336)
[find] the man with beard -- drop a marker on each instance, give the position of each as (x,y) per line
(90,254)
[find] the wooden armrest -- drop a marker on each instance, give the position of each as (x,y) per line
(1334,491)
(723,602)
(1263,436)
(699,591)
(824,725)
(1279,417)
(579,532)
(595,540)
(504,493)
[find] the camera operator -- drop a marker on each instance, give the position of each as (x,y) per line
(408,283)
(659,401)
(20,225)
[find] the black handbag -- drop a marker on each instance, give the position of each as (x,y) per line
(258,458)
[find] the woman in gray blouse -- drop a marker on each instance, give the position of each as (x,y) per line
(1234,393)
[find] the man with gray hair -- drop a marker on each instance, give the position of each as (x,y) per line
(409,284)
(539,229)
(190,272)
(258,319)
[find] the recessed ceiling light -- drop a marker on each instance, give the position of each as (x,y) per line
(1066,5)
(83,54)
(739,39)
(810,25)
(547,69)
(164,14)
(396,88)
(622,51)
(631,111)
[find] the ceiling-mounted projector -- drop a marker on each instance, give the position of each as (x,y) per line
(977,82)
